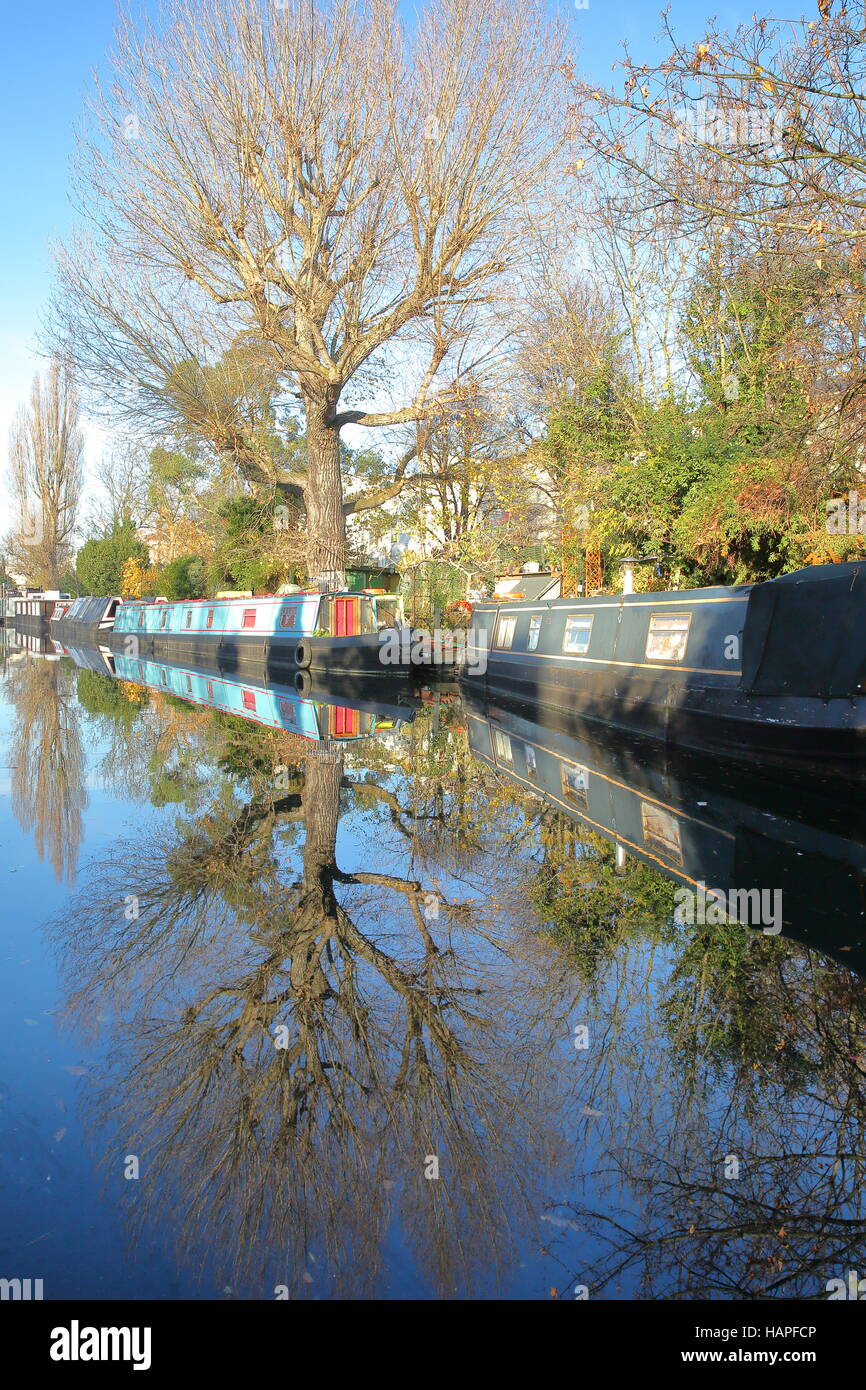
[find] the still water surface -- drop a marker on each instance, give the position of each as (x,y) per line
(291,973)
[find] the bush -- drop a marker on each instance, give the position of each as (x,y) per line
(184,577)
(99,564)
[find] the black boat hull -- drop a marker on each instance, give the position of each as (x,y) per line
(357,655)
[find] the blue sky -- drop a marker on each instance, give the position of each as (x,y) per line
(51,49)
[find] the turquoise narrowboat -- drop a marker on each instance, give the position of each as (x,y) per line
(335,632)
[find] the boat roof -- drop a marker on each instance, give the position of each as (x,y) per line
(255,598)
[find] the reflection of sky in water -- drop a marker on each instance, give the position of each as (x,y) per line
(415,1026)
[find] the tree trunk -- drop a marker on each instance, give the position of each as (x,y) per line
(317,917)
(323,496)
(323,775)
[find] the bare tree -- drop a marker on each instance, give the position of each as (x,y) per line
(761,126)
(347,195)
(46,449)
(123,476)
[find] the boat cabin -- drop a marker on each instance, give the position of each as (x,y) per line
(295,615)
(95,612)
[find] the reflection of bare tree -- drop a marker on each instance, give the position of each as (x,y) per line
(733,1154)
(285,1083)
(48,790)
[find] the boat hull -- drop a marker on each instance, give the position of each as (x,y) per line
(360,655)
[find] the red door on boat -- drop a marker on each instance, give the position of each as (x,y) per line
(345,617)
(345,722)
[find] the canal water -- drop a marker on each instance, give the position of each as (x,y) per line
(408,995)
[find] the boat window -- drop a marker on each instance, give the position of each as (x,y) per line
(502,746)
(209,617)
(249,618)
(189,683)
(289,615)
(578,628)
(323,617)
(534,632)
(661,831)
(141,617)
(367,615)
(288,713)
(163,675)
(531,762)
(210,690)
(189,617)
(387,613)
(504,636)
(667,637)
(163,617)
(575,784)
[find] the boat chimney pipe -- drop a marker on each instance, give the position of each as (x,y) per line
(628,565)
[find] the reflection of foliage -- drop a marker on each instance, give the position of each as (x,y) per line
(590,906)
(735,1164)
(101,695)
(173,785)
(400,1032)
(732,1005)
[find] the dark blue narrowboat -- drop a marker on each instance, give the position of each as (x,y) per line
(778,666)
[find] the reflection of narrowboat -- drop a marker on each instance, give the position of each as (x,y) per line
(779,666)
(308,631)
(327,717)
(89,658)
(18,640)
(726,827)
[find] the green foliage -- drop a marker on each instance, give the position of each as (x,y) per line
(99,563)
(172,470)
(184,577)
(740,331)
(243,387)
(591,428)
(251,551)
(726,482)
(745,522)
